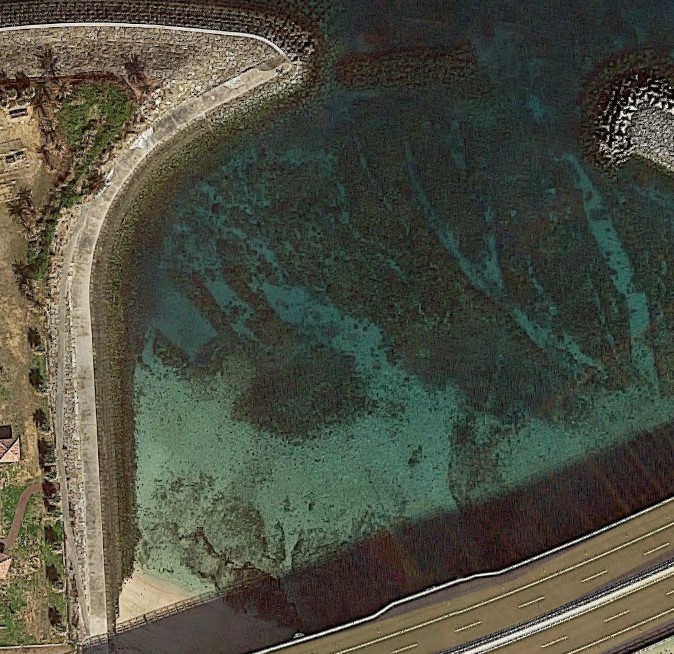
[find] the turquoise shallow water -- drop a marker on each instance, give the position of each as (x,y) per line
(401,304)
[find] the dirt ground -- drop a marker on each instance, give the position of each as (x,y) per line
(26,586)
(55,649)
(18,399)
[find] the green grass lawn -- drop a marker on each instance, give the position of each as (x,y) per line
(31,592)
(12,603)
(14,599)
(9,498)
(102,107)
(30,534)
(5,384)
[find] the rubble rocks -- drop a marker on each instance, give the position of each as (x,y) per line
(621,93)
(282,28)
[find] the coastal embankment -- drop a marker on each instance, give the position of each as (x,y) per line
(92,522)
(113,373)
(107,482)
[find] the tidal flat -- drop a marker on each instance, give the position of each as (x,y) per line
(414,297)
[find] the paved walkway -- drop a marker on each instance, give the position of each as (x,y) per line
(10,539)
(76,274)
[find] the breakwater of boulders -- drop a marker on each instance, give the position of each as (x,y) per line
(614,93)
(290,31)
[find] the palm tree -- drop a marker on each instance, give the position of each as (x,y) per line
(21,209)
(49,489)
(48,131)
(48,60)
(24,197)
(62,90)
(54,616)
(95,182)
(40,99)
(23,272)
(44,152)
(39,106)
(15,209)
(34,341)
(36,379)
(135,70)
(42,90)
(21,80)
(40,420)
(19,215)
(50,535)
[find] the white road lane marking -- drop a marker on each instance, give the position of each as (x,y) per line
(621,632)
(510,593)
(530,602)
(655,549)
(573,613)
(599,574)
(405,649)
(468,626)
(554,642)
(617,615)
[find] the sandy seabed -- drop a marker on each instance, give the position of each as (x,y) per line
(145,592)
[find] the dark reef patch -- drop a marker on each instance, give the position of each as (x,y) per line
(410,68)
(169,354)
(295,399)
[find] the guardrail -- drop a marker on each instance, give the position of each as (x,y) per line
(565,608)
(642,641)
(152,616)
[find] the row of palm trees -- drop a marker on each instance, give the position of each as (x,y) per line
(46,94)
(25,215)
(133,67)
(20,87)
(23,212)
(12,89)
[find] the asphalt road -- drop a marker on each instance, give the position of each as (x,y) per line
(473,610)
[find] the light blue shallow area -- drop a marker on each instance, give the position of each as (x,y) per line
(473,303)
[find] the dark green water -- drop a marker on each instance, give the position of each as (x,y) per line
(411,300)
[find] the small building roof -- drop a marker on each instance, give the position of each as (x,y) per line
(10,450)
(5,563)
(11,146)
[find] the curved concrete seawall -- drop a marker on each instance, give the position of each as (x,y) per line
(75,285)
(71,348)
